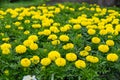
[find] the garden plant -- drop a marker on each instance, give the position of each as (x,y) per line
(60,42)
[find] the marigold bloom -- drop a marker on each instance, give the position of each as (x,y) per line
(28,42)
(64,38)
(117,27)
(5,46)
(46,32)
(17,23)
(36,25)
(77,26)
(55,42)
(20,28)
(80,64)
(53,55)
(103,32)
(68,46)
(60,62)
(112,57)
(91,31)
(45,61)
(8,26)
(87,48)
(54,29)
(52,37)
(96,40)
(26,32)
(34,38)
(33,46)
(6,72)
(35,59)
(20,49)
(84,53)
(27,21)
(25,62)
(5,39)
(92,59)
(110,42)
(6,51)
(71,56)
(103,48)
(63,29)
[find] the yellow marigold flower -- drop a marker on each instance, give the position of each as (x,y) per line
(36,25)
(91,31)
(71,56)
(57,10)
(34,38)
(103,32)
(92,59)
(87,48)
(5,46)
(68,46)
(72,9)
(53,55)
(6,72)
(76,26)
(60,62)
(80,64)
(46,23)
(20,49)
(6,51)
(68,26)
(110,42)
(109,36)
(20,28)
(103,48)
(45,61)
(46,32)
(54,29)
(112,57)
(17,23)
(26,32)
(33,46)
(55,42)
(92,9)
(40,33)
(115,21)
(52,37)
(84,53)
(27,42)
(116,33)
(8,26)
(109,29)
(117,27)
(5,39)
(71,45)
(35,59)
(64,38)
(56,24)
(27,21)
(96,40)
(20,18)
(63,29)
(25,62)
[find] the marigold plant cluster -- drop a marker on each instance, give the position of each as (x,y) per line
(71,42)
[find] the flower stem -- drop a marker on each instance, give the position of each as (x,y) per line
(52,77)
(79,78)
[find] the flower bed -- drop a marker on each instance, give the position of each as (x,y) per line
(61,42)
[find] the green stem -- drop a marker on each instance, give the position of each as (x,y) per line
(79,78)
(52,77)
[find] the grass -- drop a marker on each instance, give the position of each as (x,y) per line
(7,4)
